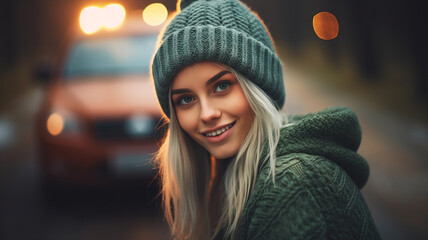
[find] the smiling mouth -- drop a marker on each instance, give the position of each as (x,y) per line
(219,131)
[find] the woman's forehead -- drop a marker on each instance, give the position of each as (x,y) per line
(196,73)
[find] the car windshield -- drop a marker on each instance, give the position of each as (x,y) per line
(110,56)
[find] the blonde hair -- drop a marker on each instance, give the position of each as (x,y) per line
(185,169)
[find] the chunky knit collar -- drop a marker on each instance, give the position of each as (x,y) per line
(333,133)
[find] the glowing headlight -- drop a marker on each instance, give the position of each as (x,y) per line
(113,15)
(93,18)
(62,122)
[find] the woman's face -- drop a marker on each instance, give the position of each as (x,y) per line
(212,108)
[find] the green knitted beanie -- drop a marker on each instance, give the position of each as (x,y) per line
(222,31)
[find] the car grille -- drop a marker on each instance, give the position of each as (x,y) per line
(116,129)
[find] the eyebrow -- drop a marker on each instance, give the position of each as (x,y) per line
(217,76)
(178,91)
(211,80)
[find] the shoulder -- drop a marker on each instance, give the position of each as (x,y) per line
(307,192)
(297,169)
(299,173)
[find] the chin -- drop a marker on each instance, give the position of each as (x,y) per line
(224,155)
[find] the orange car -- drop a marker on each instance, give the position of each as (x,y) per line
(99,118)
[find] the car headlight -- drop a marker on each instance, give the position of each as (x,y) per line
(61,122)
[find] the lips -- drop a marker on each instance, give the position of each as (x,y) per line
(218,131)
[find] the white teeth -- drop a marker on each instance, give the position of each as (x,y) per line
(218,132)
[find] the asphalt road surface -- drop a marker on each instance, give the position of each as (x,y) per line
(395,147)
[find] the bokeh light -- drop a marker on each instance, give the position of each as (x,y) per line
(113,15)
(325,25)
(55,124)
(155,14)
(91,19)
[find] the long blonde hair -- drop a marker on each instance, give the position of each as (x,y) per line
(185,166)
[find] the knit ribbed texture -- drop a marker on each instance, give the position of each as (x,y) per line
(316,192)
(335,134)
(223,31)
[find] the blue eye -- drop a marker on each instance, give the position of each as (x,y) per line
(185,100)
(222,86)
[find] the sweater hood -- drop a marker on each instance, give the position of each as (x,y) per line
(333,133)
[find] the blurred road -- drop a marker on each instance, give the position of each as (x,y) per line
(395,147)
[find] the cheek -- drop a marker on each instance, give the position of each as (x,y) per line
(241,106)
(187,121)
(244,113)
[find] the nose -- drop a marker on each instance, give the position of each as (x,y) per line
(209,112)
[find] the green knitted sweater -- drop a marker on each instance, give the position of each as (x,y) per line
(316,190)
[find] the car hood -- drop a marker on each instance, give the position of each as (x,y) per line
(108,96)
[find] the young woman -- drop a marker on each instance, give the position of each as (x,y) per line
(232,165)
